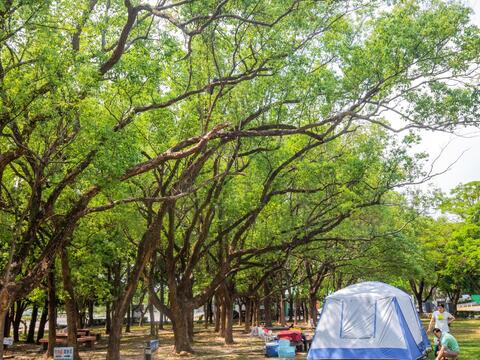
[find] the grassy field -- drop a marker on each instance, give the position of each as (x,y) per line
(209,346)
(467,333)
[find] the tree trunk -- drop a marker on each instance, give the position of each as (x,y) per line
(108,318)
(108,311)
(52,312)
(282,309)
(228,309)
(223,317)
(180,327)
(313,308)
(217,314)
(267,304)
(205,315)
(90,312)
(240,307)
(258,314)
(306,313)
(455,298)
(31,327)
(43,321)
(115,336)
(129,319)
(5,300)
(248,315)
(418,293)
(162,299)
(290,307)
(210,311)
(70,304)
(151,313)
(17,319)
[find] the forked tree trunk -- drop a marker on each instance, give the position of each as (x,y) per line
(31,327)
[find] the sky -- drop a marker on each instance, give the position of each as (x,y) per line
(465,144)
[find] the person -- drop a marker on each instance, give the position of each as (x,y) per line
(449,346)
(441,319)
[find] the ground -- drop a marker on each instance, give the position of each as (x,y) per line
(209,346)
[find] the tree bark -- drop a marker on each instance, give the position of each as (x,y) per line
(179,311)
(267,304)
(43,321)
(282,309)
(162,299)
(151,313)
(90,312)
(248,315)
(129,318)
(52,311)
(5,311)
(108,317)
(217,314)
(31,327)
(70,304)
(313,308)
(228,310)
(17,319)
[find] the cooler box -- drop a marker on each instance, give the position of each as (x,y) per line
(286,352)
(271,349)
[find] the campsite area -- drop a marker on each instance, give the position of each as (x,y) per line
(210,346)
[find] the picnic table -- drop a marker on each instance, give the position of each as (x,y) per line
(84,336)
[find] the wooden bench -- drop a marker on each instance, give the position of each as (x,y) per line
(97,335)
(88,340)
(58,341)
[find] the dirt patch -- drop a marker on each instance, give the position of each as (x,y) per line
(207,345)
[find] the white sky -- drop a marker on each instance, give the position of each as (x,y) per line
(467,168)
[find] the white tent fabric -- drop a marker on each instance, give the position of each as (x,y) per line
(370,320)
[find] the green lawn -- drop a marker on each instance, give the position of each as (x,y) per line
(467,332)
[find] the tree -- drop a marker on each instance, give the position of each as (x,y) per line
(116,96)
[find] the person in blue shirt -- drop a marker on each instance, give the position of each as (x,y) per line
(449,345)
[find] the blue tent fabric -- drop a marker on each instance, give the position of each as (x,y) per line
(409,349)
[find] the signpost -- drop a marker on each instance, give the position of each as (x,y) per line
(150,347)
(8,341)
(63,353)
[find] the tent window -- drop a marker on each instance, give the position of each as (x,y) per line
(358,318)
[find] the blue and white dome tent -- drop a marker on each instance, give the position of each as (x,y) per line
(369,320)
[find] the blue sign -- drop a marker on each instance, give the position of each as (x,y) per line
(63,353)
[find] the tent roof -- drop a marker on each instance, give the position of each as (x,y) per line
(370,288)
